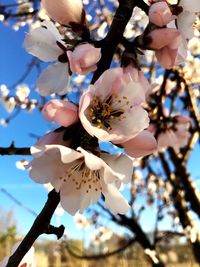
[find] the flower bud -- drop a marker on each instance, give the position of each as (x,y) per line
(61,112)
(84,58)
(64,11)
(160,14)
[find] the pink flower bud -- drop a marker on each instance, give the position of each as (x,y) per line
(64,11)
(167,43)
(84,58)
(61,112)
(160,14)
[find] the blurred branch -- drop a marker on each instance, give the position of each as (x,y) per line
(19,203)
(181,207)
(100,256)
(191,193)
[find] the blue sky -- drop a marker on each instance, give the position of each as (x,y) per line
(13,62)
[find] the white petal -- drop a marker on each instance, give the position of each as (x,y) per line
(114,200)
(93,162)
(185,22)
(121,165)
(190,5)
(136,121)
(52,28)
(71,202)
(54,79)
(41,43)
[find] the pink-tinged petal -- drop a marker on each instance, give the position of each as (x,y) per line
(41,43)
(141,145)
(62,112)
(182,52)
(138,76)
(84,58)
(160,14)
(183,119)
(88,55)
(54,79)
(64,11)
(185,23)
(167,139)
(166,57)
(52,138)
(161,38)
(114,200)
(191,6)
(126,129)
(121,165)
(103,86)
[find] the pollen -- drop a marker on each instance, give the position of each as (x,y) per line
(103,114)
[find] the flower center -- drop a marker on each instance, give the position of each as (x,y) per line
(84,178)
(102,114)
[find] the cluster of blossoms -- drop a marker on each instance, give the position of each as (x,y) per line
(110,110)
(174,28)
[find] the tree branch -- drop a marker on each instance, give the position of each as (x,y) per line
(40,226)
(12,150)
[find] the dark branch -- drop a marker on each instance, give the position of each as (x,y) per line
(39,227)
(12,150)
(100,256)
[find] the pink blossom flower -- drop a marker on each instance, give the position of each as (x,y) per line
(84,58)
(64,11)
(27,261)
(160,14)
(62,112)
(169,46)
(82,177)
(141,145)
(111,109)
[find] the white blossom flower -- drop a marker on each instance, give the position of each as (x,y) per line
(46,43)
(81,221)
(22,92)
(82,177)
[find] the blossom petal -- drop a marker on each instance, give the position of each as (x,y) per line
(71,202)
(185,23)
(41,43)
(120,164)
(141,145)
(114,200)
(192,5)
(54,79)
